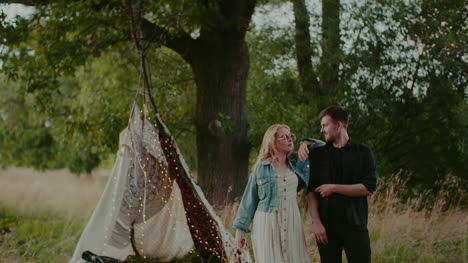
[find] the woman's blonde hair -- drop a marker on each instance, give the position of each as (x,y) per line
(268,149)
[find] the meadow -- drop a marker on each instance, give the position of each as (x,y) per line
(42,215)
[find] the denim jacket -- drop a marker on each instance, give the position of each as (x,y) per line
(262,188)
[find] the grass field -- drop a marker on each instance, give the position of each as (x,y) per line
(42,216)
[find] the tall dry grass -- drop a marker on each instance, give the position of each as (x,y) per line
(43,213)
(28,192)
(400,231)
(413,231)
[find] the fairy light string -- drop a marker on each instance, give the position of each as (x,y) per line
(207,240)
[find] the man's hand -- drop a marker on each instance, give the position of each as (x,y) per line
(241,242)
(320,234)
(304,150)
(325,189)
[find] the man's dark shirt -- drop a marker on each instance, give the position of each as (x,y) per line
(352,164)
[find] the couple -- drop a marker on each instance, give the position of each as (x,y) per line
(340,177)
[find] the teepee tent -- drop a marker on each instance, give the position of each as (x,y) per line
(152,207)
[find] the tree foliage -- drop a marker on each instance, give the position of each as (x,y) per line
(402,80)
(208,35)
(83,117)
(401,69)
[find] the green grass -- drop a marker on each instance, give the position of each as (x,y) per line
(51,238)
(38,239)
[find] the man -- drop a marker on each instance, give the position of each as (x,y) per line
(342,175)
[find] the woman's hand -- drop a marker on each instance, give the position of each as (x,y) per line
(320,234)
(241,242)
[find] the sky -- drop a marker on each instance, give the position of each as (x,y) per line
(11,10)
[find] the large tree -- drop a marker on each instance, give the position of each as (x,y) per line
(208,35)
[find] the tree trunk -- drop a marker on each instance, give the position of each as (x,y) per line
(219,59)
(304,52)
(220,63)
(331,53)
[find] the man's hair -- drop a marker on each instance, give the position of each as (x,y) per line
(337,113)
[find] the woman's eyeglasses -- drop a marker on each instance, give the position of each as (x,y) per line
(287,137)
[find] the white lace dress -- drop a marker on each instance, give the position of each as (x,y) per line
(278,237)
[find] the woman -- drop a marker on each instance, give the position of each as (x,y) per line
(270,200)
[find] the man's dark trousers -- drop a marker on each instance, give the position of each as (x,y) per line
(354,239)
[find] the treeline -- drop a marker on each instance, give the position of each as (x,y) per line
(398,67)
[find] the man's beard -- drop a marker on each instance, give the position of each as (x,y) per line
(330,139)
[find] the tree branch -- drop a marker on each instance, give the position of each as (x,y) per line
(231,16)
(239,11)
(179,41)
